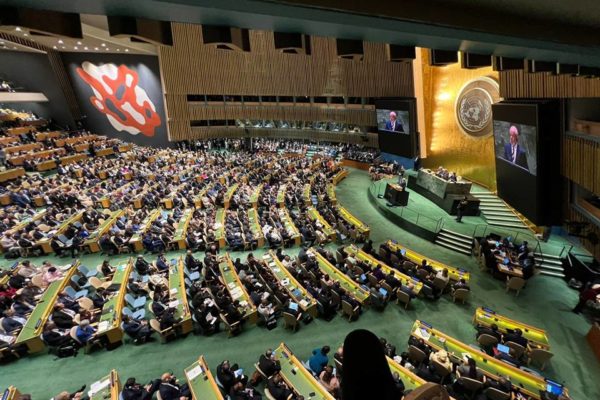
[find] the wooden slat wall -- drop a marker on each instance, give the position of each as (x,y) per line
(581,162)
(190,67)
(574,215)
(521,84)
(201,132)
(352,116)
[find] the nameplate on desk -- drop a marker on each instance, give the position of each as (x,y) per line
(194,372)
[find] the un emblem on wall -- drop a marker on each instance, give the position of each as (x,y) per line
(473,106)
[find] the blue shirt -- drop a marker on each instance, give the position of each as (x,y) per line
(85,334)
(318,361)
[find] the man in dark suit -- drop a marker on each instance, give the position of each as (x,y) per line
(513,152)
(170,389)
(393,124)
(516,337)
(267,363)
(492,331)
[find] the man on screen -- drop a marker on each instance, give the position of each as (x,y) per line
(513,152)
(393,124)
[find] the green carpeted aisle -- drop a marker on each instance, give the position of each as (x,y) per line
(545,303)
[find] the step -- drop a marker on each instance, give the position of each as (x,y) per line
(547,260)
(553,274)
(458,240)
(507,224)
(453,242)
(498,213)
(449,232)
(490,203)
(504,220)
(493,206)
(451,246)
(547,256)
(549,268)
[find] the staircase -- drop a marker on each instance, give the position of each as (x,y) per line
(455,241)
(549,265)
(496,212)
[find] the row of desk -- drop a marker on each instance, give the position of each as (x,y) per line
(355,252)
(178,296)
(523,381)
(294,289)
(30,334)
(136,239)
(486,317)
(229,194)
(362,228)
(255,226)
(45,242)
(289,225)
(179,238)
(220,227)
(109,324)
(236,289)
(93,240)
(314,215)
(455,274)
(352,288)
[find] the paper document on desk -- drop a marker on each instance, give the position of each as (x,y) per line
(231,285)
(236,293)
(102,326)
(423,333)
(173,291)
(173,304)
(194,372)
(285,282)
(98,386)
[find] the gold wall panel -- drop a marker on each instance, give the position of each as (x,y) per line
(190,67)
(446,144)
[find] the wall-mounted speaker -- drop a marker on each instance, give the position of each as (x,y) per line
(398,53)
(226,37)
(350,49)
(441,58)
(473,60)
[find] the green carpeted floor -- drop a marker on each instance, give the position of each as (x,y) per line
(545,303)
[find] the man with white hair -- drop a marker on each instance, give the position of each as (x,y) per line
(513,151)
(393,124)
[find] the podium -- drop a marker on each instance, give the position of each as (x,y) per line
(396,195)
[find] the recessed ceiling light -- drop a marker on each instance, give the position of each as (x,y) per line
(60,41)
(25,35)
(95,48)
(76,48)
(14,47)
(79,43)
(106,48)
(126,49)
(103,45)
(118,49)
(18,29)
(63,47)
(54,47)
(85,48)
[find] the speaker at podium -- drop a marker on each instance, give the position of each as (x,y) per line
(396,195)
